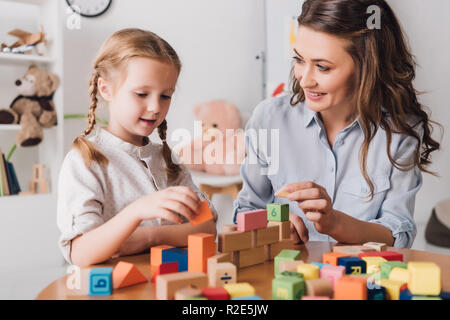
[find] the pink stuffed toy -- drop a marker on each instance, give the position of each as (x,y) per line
(221,149)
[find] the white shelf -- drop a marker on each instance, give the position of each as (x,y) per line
(9,127)
(23,58)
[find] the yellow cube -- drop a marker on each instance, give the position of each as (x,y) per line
(309,271)
(424,278)
(241,289)
(373,264)
(392,288)
(399,274)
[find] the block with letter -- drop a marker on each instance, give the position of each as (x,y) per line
(309,271)
(319,287)
(126,274)
(268,235)
(271,250)
(277,212)
(388,255)
(221,274)
(350,288)
(215,293)
(234,241)
(179,255)
(332,273)
(425,278)
(251,220)
(218,258)
(241,289)
(188,293)
(100,281)
(249,257)
(203,215)
(164,268)
(168,284)
(289,265)
(156,254)
(392,288)
(332,257)
(288,288)
(286,255)
(386,267)
(284,228)
(353,265)
(377,246)
(201,246)
(373,264)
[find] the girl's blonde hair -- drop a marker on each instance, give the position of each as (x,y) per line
(113,56)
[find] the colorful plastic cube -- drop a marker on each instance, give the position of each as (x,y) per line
(309,271)
(373,264)
(425,278)
(176,254)
(100,281)
(353,265)
(386,267)
(288,288)
(350,288)
(277,212)
(332,273)
(286,255)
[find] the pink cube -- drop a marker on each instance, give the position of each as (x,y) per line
(251,220)
(332,273)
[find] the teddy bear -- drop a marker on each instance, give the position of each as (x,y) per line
(221,149)
(33,109)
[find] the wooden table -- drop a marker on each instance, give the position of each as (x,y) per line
(259,276)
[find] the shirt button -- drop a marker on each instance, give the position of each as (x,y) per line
(332,169)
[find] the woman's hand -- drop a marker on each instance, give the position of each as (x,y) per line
(166,204)
(313,199)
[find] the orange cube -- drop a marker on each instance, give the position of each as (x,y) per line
(203,215)
(332,257)
(351,288)
(156,254)
(201,246)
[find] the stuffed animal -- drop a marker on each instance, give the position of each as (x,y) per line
(33,108)
(220,150)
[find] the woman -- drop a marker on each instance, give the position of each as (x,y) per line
(353,138)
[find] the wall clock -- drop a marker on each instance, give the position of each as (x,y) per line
(89,8)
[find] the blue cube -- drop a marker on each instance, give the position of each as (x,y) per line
(320,264)
(353,265)
(176,254)
(376,293)
(100,281)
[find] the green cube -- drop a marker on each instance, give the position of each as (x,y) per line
(286,255)
(387,266)
(277,212)
(288,288)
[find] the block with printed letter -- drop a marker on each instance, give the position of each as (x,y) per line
(286,255)
(377,246)
(425,278)
(271,250)
(221,274)
(386,267)
(168,284)
(332,273)
(164,268)
(156,254)
(218,258)
(179,255)
(277,212)
(350,288)
(388,255)
(309,271)
(353,265)
(126,274)
(100,281)
(373,264)
(201,246)
(284,228)
(319,287)
(288,288)
(234,241)
(248,257)
(268,235)
(332,257)
(251,220)
(241,289)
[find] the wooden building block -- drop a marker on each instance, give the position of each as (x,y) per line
(425,278)
(218,258)
(350,288)
(332,273)
(271,250)
(233,241)
(319,287)
(289,265)
(315,298)
(268,235)
(229,228)
(179,255)
(240,289)
(388,255)
(386,267)
(248,298)
(164,268)
(100,281)
(156,254)
(399,274)
(282,193)
(353,265)
(309,271)
(373,264)
(201,246)
(392,288)
(187,293)
(332,257)
(288,288)
(284,228)
(251,220)
(352,250)
(168,284)
(320,264)
(126,274)
(216,293)
(221,274)
(377,246)
(249,257)
(286,255)
(277,212)
(203,215)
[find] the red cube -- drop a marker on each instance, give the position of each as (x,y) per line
(251,220)
(388,255)
(218,293)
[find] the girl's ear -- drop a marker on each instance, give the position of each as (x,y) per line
(105,89)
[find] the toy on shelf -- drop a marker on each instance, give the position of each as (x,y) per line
(26,42)
(38,184)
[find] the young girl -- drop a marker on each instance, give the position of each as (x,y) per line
(118,192)
(353,138)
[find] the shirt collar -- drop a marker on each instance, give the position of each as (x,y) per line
(310,115)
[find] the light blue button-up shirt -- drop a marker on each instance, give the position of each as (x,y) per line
(287,144)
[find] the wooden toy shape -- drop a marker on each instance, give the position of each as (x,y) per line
(388,255)
(215,293)
(377,246)
(288,288)
(282,193)
(277,212)
(373,264)
(201,246)
(179,255)
(353,265)
(352,250)
(249,257)
(165,268)
(100,281)
(187,293)
(332,273)
(386,267)
(233,241)
(399,274)
(271,250)
(126,274)
(204,214)
(229,228)
(332,257)
(168,284)
(350,288)
(156,254)
(37,184)
(392,288)
(425,278)
(286,255)
(376,293)
(221,274)
(309,271)
(241,289)
(289,265)
(315,298)
(251,220)
(248,298)
(218,258)
(268,235)
(319,287)
(284,228)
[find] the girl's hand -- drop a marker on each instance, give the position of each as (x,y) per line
(299,232)
(313,199)
(166,204)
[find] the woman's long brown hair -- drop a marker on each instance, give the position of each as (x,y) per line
(385,70)
(119,48)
